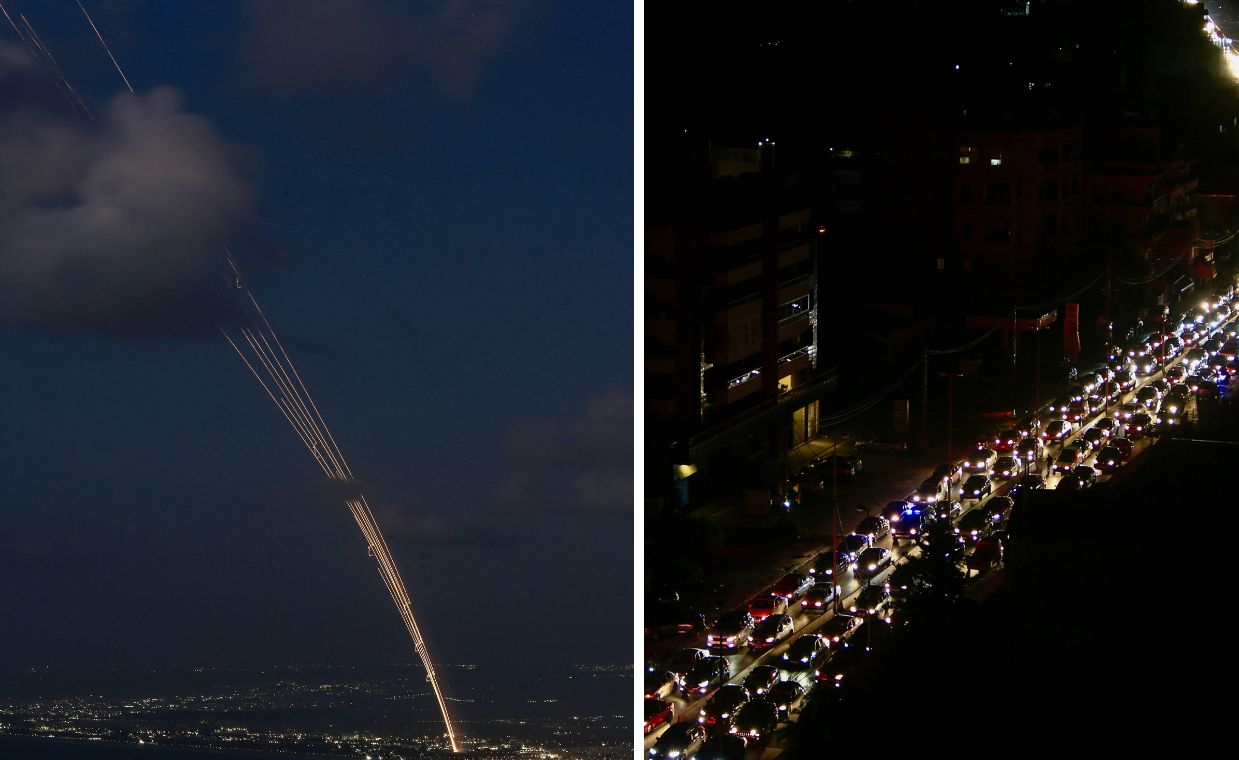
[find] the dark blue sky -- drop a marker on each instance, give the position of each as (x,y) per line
(441,228)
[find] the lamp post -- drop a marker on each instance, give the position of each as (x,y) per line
(950,418)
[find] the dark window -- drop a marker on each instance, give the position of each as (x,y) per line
(1049,190)
(965,193)
(999,194)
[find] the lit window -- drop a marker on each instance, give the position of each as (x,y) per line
(995,158)
(966,153)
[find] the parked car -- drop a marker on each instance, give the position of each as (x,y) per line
(981,459)
(664,620)
(885,445)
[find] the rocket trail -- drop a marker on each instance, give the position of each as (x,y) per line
(106,49)
(279,379)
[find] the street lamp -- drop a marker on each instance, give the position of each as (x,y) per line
(950,418)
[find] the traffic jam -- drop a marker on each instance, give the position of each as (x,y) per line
(725,694)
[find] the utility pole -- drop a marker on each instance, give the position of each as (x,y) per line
(1015,335)
(924,397)
(1037,381)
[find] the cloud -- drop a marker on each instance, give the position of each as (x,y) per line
(581,462)
(116,227)
(307,44)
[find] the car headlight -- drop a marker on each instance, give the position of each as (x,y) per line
(673,753)
(912,531)
(873,567)
(769,639)
(724,716)
(653,752)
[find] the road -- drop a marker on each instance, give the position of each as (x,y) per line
(742,663)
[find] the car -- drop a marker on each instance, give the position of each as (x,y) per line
(707,675)
(981,459)
(684,660)
(1086,475)
(1107,425)
(1070,482)
(928,492)
(731,632)
(806,653)
(1175,402)
(793,586)
(894,509)
(658,712)
(1030,449)
(1006,468)
(976,487)
(724,747)
(1077,411)
(1109,458)
(757,720)
(787,697)
(842,660)
(1149,397)
(885,445)
(1206,389)
(660,682)
(1139,425)
(1057,430)
(987,553)
(872,601)
(975,525)
(952,473)
(1084,446)
(672,619)
(771,631)
(1029,482)
(1094,436)
(949,511)
(830,563)
(854,544)
(912,523)
(761,679)
(1067,460)
(873,561)
(1006,439)
(835,466)
(999,509)
(719,711)
(1176,374)
(1125,411)
(763,607)
(820,596)
(874,527)
(681,740)
(841,627)
(1124,446)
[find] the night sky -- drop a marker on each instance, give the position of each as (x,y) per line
(433,202)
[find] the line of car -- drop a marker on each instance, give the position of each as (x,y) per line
(737,714)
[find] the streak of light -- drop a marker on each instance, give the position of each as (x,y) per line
(4,10)
(66,88)
(103,42)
